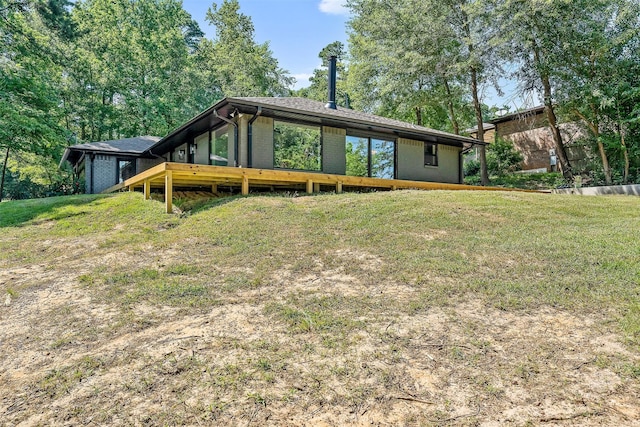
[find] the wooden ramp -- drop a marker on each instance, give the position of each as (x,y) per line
(171,175)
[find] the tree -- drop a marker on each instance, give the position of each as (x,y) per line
(599,79)
(532,36)
(135,71)
(419,56)
(29,75)
(243,67)
(319,87)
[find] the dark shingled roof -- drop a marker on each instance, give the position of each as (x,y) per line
(306,110)
(318,109)
(136,146)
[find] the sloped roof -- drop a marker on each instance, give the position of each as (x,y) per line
(485,126)
(136,145)
(318,109)
(518,115)
(301,109)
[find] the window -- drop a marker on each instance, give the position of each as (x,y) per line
(371,157)
(383,159)
(219,147)
(296,146)
(430,154)
(126,170)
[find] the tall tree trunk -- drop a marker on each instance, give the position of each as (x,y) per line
(595,129)
(4,171)
(452,116)
(625,153)
(418,111)
(553,121)
(484,176)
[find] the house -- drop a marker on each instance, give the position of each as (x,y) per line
(531,136)
(107,163)
(283,134)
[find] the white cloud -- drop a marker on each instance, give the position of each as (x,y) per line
(302,80)
(334,7)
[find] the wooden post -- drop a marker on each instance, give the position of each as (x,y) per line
(394,188)
(214,188)
(309,186)
(168,191)
(316,187)
(339,187)
(245,185)
(131,188)
(147,189)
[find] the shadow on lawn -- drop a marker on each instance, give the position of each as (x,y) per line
(16,213)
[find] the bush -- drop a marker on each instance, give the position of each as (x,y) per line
(472,168)
(502,157)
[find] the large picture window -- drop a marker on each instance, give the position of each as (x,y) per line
(297,146)
(371,157)
(219,147)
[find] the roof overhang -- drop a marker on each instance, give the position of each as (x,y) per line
(230,107)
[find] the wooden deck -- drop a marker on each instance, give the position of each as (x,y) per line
(170,175)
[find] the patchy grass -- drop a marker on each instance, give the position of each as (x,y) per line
(410,308)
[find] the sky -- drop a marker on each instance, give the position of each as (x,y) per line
(296,30)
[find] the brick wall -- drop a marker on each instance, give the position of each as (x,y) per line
(104,173)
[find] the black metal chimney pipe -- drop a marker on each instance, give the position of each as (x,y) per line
(332,83)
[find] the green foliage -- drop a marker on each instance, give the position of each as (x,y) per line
(30,176)
(242,66)
(502,157)
(357,157)
(319,87)
(136,71)
(471,168)
(297,147)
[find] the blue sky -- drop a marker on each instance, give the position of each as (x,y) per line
(296,29)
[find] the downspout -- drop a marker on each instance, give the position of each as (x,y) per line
(250,137)
(235,136)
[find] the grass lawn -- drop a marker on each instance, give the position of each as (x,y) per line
(396,308)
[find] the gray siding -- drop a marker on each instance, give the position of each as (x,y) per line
(176,158)
(262,144)
(411,163)
(202,149)
(334,150)
(243,138)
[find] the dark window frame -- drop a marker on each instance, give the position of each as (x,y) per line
(431,154)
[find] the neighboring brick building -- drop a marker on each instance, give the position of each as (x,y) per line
(531,136)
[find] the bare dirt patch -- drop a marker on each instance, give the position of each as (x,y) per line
(238,364)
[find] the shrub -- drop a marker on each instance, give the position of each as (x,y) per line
(502,157)
(472,168)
